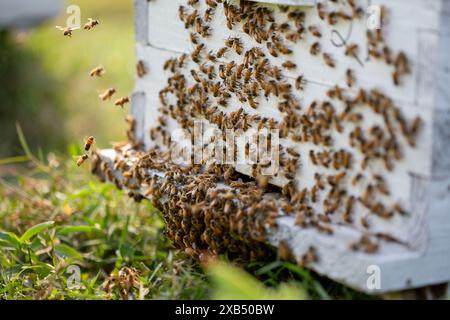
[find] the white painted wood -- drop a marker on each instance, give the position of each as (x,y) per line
(420,182)
(26,13)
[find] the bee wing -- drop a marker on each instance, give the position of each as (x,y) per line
(74,28)
(59,28)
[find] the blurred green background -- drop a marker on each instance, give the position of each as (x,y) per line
(45,83)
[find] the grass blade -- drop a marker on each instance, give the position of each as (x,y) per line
(34,230)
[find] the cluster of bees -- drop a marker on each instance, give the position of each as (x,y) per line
(204,217)
(212,209)
(125,281)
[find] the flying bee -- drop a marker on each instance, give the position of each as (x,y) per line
(67,31)
(97,71)
(140,69)
(121,101)
(90,24)
(289,65)
(82,159)
(350,77)
(107,94)
(315,31)
(88,143)
(315,49)
(329,60)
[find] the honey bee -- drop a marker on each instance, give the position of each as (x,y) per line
(299,83)
(67,31)
(88,143)
(321,10)
(107,94)
(401,63)
(192,2)
(289,65)
(211,3)
(208,14)
(329,60)
(97,71)
(193,38)
(140,69)
(263,181)
(313,157)
(315,49)
(181,13)
(221,52)
(121,101)
(315,31)
(252,103)
(284,252)
(82,159)
(399,209)
(350,78)
(370,247)
(365,222)
(272,49)
(415,127)
(90,24)
(324,229)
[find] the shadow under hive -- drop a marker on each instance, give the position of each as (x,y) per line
(349,115)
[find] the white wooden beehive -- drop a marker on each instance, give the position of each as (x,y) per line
(419,181)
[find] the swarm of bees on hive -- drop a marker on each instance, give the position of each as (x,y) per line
(212,209)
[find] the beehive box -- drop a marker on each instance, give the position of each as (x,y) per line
(361,156)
